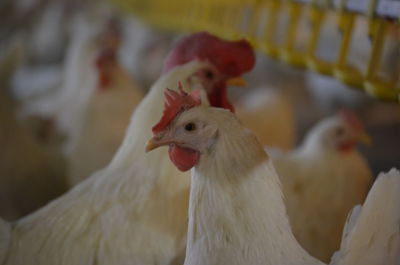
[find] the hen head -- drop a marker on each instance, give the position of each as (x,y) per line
(183,129)
(107,55)
(341,133)
(226,60)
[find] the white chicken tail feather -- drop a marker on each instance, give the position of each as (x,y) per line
(372,232)
(5,236)
(352,218)
(350,223)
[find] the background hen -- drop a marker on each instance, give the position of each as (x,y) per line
(94,104)
(108,110)
(325,168)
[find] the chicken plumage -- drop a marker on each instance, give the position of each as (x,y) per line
(372,234)
(325,168)
(134,211)
(107,112)
(67,104)
(94,103)
(236,210)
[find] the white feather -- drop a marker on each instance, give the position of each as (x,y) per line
(132,212)
(104,122)
(236,213)
(372,235)
(313,175)
(79,78)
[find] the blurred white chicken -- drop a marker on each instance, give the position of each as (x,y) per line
(30,174)
(68,104)
(270,116)
(237,214)
(106,116)
(325,168)
(134,211)
(95,102)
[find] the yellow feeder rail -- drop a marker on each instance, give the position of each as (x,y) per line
(258,21)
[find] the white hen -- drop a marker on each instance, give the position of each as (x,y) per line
(325,168)
(107,112)
(237,214)
(135,210)
(95,102)
(68,103)
(125,214)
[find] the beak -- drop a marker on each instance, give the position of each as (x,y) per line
(237,81)
(364,138)
(154,143)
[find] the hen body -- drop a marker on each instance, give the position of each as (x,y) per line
(131,212)
(315,174)
(236,210)
(134,211)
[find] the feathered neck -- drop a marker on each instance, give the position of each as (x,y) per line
(132,172)
(236,213)
(149,111)
(316,147)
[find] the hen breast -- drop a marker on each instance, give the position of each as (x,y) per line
(320,189)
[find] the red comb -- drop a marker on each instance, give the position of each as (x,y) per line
(231,58)
(352,119)
(175,103)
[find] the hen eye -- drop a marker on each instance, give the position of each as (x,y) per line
(190,127)
(210,75)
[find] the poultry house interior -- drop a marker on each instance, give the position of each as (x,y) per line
(84,86)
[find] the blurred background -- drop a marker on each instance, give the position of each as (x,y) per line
(56,55)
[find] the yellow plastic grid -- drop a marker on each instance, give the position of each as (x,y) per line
(257,21)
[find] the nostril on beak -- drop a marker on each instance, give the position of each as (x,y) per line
(151,145)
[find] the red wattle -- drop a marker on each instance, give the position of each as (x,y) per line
(219,97)
(104,80)
(183,158)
